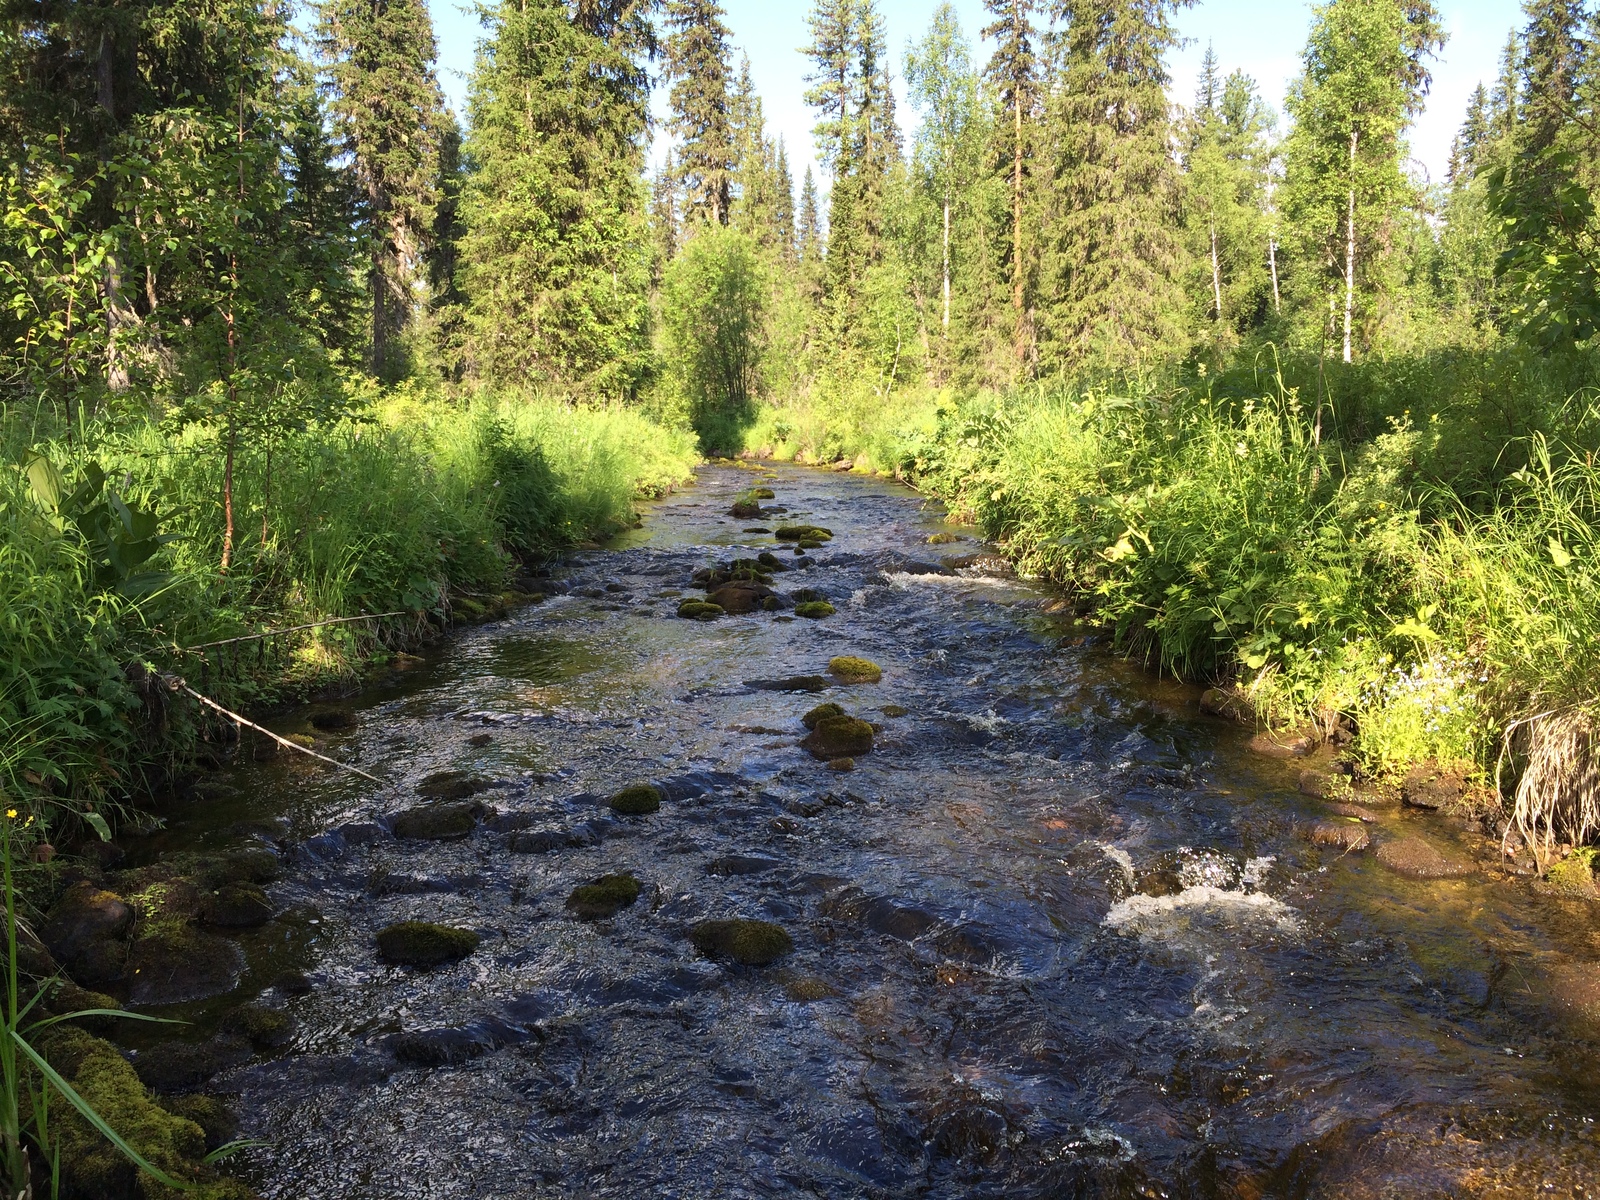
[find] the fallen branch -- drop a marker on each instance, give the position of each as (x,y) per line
(178,684)
(256,637)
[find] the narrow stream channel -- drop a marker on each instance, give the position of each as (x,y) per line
(1057,935)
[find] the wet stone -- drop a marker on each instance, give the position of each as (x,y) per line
(264,1028)
(453,785)
(479,740)
(637,801)
(742,864)
(1348,836)
(842,765)
(544,841)
(838,737)
(85,931)
(237,906)
(176,1067)
(793,683)
(753,943)
(176,964)
(424,944)
(604,897)
(847,668)
(821,713)
(700,610)
(1284,743)
(1421,860)
(437,822)
(333,720)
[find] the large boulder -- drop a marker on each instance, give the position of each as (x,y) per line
(85,931)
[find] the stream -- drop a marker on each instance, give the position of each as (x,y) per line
(1057,935)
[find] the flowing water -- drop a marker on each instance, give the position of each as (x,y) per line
(1057,935)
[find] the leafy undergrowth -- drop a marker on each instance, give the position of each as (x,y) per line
(413,507)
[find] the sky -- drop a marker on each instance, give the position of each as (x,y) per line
(1262,37)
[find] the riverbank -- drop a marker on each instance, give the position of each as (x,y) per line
(411,509)
(1396,582)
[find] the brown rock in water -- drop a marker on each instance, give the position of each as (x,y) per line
(1348,836)
(842,765)
(839,737)
(85,932)
(1428,786)
(1353,810)
(1285,743)
(737,599)
(1421,860)
(1227,704)
(1315,783)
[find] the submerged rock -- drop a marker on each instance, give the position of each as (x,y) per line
(437,822)
(805,533)
(794,683)
(452,785)
(842,765)
(1348,836)
(847,668)
(423,944)
(738,599)
(237,906)
(839,737)
(754,943)
(1420,860)
(699,610)
(637,801)
(333,720)
(1285,743)
(264,1028)
(605,897)
(895,710)
(814,609)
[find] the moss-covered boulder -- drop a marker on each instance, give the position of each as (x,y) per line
(814,609)
(802,533)
(211,1113)
(172,962)
(437,822)
(942,539)
(847,668)
(1574,875)
(85,931)
(763,493)
(603,898)
(700,610)
(637,801)
(839,737)
(754,943)
(237,906)
(821,713)
(453,785)
(92,1166)
(745,506)
(424,944)
(771,561)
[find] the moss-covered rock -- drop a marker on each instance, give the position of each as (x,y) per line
(85,931)
(737,599)
(814,609)
(437,822)
(942,539)
(700,610)
(424,944)
(237,906)
(1574,875)
(839,737)
(842,765)
(808,544)
(92,1166)
(763,493)
(172,962)
(453,785)
(745,506)
(821,713)
(603,898)
(895,710)
(754,943)
(637,801)
(211,1113)
(847,668)
(799,533)
(264,1028)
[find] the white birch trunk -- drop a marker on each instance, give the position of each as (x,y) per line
(947,263)
(1216,273)
(1350,252)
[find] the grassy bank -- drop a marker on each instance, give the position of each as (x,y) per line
(413,506)
(1414,559)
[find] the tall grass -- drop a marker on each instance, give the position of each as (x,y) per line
(414,503)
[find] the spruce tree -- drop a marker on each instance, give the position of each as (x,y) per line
(1115,251)
(1469,142)
(554,211)
(832,92)
(810,242)
(696,59)
(783,206)
(389,114)
(1013,71)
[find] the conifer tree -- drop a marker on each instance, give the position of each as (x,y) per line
(783,205)
(389,114)
(832,92)
(696,59)
(666,234)
(1013,71)
(1469,142)
(810,242)
(552,259)
(1115,253)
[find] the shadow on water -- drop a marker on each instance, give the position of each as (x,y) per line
(1056,935)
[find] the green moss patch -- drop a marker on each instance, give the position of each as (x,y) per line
(423,944)
(437,822)
(1575,874)
(604,898)
(802,533)
(814,609)
(700,610)
(637,801)
(847,668)
(754,943)
(821,713)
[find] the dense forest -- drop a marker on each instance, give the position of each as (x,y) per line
(284,342)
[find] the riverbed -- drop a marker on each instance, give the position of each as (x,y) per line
(1057,934)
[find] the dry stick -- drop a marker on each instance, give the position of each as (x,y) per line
(254,637)
(178,684)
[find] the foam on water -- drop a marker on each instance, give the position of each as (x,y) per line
(1152,917)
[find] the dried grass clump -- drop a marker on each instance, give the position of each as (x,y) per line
(1558,796)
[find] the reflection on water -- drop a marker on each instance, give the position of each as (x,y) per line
(1057,935)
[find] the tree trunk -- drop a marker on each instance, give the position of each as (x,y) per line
(1216,273)
(947,263)
(1272,262)
(1016,217)
(1350,252)
(227,496)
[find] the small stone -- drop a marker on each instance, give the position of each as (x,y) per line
(1285,743)
(839,737)
(333,720)
(452,785)
(842,765)
(1427,786)
(798,533)
(637,801)
(754,943)
(895,710)
(820,713)
(423,944)
(738,599)
(847,668)
(814,609)
(1219,703)
(604,898)
(1420,860)
(794,683)
(480,740)
(1342,835)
